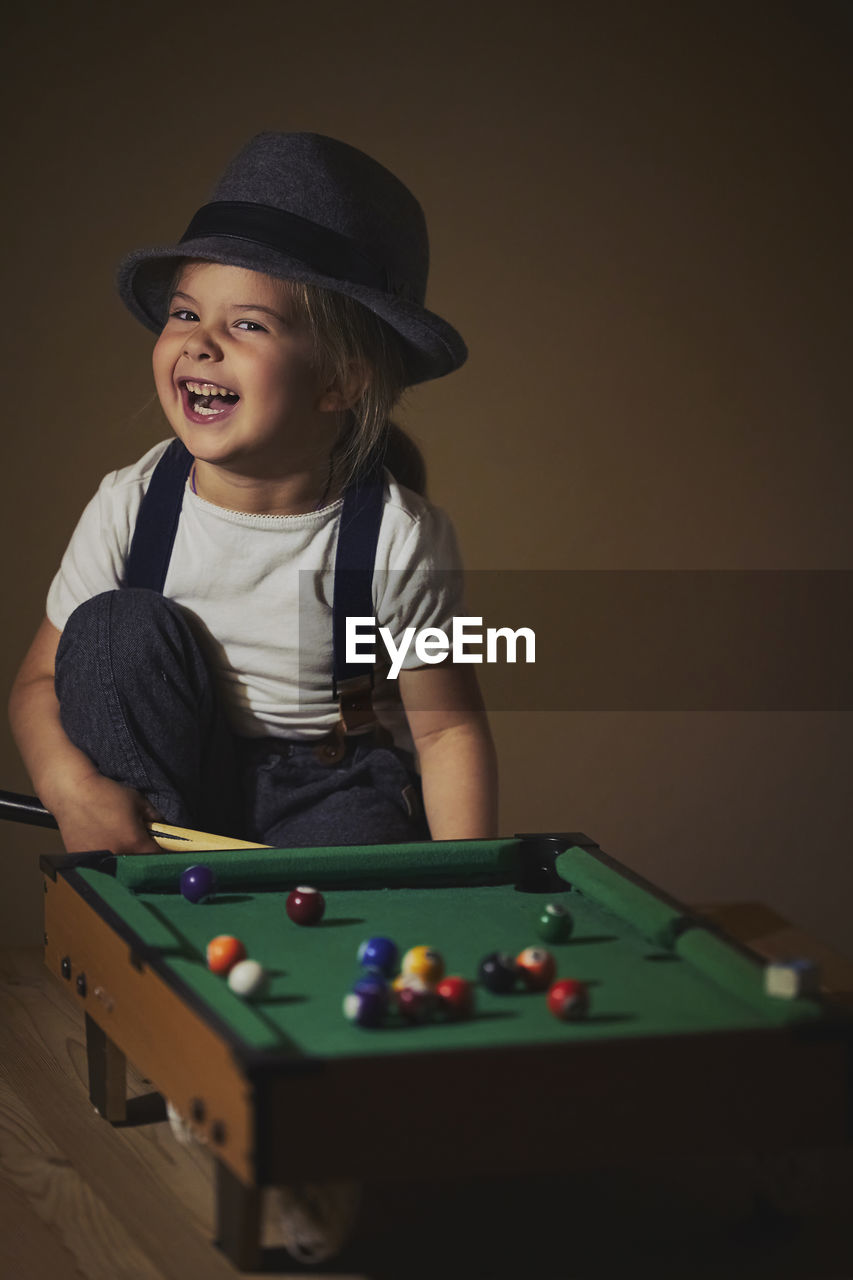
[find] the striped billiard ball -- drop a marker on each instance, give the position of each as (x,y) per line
(415,1000)
(366,1008)
(423,962)
(537,968)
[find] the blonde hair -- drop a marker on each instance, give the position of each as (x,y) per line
(350,340)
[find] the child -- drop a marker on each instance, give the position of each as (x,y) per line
(189,667)
(192,645)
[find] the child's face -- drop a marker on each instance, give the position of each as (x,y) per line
(231,329)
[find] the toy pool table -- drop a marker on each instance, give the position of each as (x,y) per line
(681,1049)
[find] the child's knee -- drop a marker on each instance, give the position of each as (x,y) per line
(119,638)
(123,618)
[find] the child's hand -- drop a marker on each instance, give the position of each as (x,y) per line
(102,814)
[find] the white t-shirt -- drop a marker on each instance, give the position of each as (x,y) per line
(261,588)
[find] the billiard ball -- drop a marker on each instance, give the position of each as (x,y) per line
(554,924)
(423,962)
(497,972)
(197,883)
(247,978)
(404,980)
(456,998)
(568,999)
(380,954)
(537,968)
(223,952)
(365,1008)
(373,984)
(305,905)
(415,1000)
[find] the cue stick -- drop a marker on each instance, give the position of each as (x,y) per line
(30,810)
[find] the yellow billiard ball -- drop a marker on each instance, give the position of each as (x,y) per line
(425,963)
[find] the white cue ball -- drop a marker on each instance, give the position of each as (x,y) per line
(247,978)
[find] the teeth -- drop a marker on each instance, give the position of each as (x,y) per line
(207,389)
(208,413)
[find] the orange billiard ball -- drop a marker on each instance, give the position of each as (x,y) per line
(223,952)
(537,968)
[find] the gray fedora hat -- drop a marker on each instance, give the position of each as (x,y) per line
(304,207)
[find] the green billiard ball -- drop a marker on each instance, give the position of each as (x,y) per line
(554,924)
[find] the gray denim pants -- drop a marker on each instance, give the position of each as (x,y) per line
(136,695)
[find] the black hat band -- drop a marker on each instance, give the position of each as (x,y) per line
(324,250)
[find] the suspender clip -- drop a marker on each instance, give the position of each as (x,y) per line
(358,719)
(355,699)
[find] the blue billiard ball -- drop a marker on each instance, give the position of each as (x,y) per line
(380,954)
(197,883)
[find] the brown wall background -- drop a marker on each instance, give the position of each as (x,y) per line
(640,220)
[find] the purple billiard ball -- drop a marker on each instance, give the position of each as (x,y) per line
(365,1008)
(197,883)
(375,987)
(305,905)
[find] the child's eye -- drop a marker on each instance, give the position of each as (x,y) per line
(181,313)
(253,325)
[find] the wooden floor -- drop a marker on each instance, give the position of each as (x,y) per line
(81,1200)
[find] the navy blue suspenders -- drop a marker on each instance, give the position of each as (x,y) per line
(157,522)
(154,537)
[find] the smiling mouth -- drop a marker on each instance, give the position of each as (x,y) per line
(207,399)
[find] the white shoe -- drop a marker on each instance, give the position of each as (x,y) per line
(314,1219)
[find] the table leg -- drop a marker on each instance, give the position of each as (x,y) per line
(238,1219)
(107,1073)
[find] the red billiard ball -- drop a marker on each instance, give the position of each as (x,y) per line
(305,905)
(456,997)
(537,968)
(568,999)
(415,999)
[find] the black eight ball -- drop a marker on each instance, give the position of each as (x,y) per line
(497,972)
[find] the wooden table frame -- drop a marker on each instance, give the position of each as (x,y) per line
(477,1112)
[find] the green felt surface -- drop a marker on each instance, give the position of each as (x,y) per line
(383,865)
(637,987)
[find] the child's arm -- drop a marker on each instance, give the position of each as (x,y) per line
(457,755)
(93,812)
